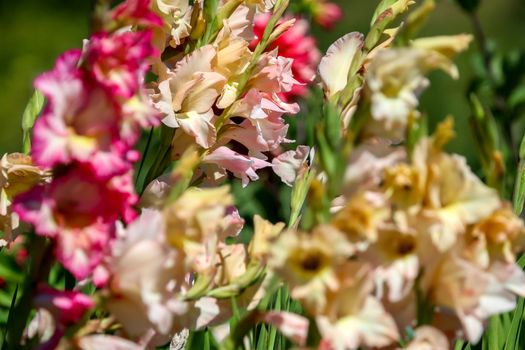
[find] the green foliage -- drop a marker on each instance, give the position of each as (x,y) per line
(498,84)
(31,112)
(519,187)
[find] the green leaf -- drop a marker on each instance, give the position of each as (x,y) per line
(517,97)
(515,327)
(9,270)
(519,186)
(276,307)
(31,112)
(11,308)
(519,189)
(200,340)
(332,119)
(327,156)
(262,338)
(494,336)
(459,345)
(210,9)
(298,196)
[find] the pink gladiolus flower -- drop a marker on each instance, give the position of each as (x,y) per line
(241,166)
(75,199)
(138,113)
(80,121)
(78,210)
(326,14)
(118,61)
(297,45)
(67,307)
(257,106)
(274,74)
(136,12)
(263,129)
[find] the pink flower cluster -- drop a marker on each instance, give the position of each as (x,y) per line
(295,43)
(96,107)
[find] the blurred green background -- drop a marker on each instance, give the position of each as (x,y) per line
(34,32)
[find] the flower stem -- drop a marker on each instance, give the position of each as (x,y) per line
(38,270)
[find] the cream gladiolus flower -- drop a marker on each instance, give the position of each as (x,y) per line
(188,93)
(352,316)
(394,80)
(361,218)
(428,338)
(195,222)
(455,198)
(396,258)
(146,274)
(473,294)
(307,262)
(367,164)
(447,45)
(17,175)
(496,238)
(263,236)
(176,16)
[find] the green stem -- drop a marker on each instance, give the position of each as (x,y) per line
(40,263)
(144,155)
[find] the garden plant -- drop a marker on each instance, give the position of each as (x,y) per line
(197,174)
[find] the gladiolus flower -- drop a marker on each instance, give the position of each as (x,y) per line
(176,16)
(135,12)
(17,175)
(326,13)
(67,307)
(79,210)
(297,45)
(263,235)
(428,338)
(80,122)
(243,167)
(361,218)
(145,274)
(352,316)
(289,165)
(117,61)
(198,221)
(188,94)
(394,80)
(308,261)
(473,294)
